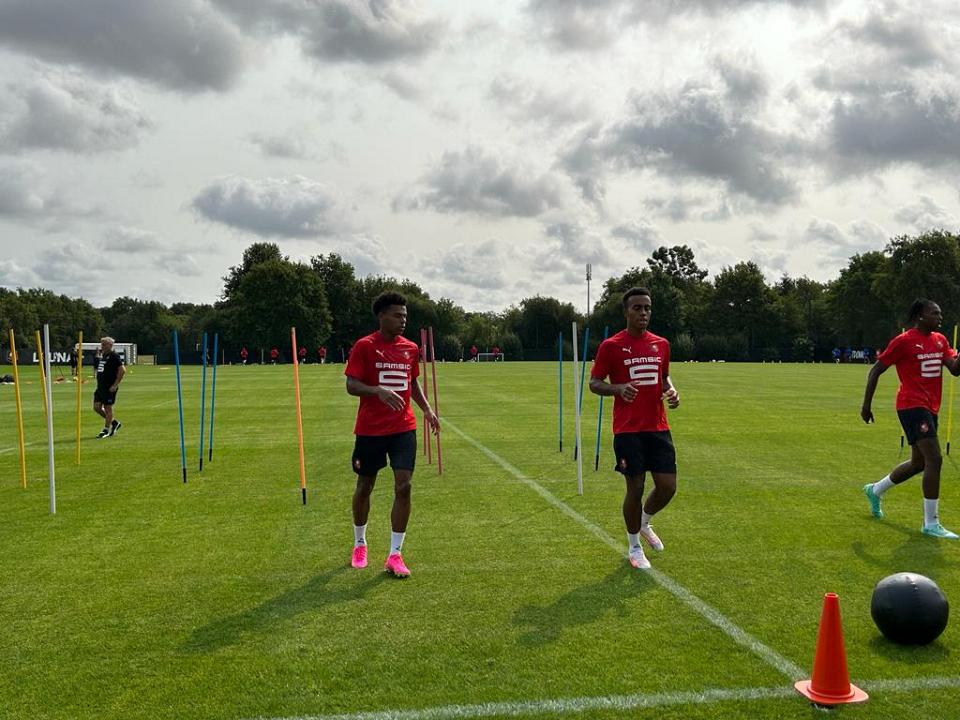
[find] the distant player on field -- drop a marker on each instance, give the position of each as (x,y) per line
(382,371)
(637,363)
(920,353)
(110,372)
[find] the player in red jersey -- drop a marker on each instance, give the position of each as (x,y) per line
(637,363)
(382,371)
(920,355)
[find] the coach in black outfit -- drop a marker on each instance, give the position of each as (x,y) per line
(110,372)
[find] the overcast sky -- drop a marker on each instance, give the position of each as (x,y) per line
(486,150)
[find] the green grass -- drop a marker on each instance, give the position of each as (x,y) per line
(226,598)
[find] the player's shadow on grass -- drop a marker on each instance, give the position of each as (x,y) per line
(314,594)
(917,554)
(581,606)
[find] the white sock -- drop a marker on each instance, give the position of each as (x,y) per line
(644,519)
(881,486)
(931,514)
(359,535)
(396,542)
(633,540)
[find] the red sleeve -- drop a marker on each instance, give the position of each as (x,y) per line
(601,363)
(356,363)
(951,351)
(415,370)
(891,353)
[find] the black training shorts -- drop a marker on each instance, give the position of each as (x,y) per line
(918,423)
(104,396)
(641,452)
(370,452)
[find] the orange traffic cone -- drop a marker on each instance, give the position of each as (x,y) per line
(830,684)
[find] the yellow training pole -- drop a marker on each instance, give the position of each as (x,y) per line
(953,383)
(296,387)
(16,389)
(43,376)
(79,383)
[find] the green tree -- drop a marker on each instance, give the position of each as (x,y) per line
(344,296)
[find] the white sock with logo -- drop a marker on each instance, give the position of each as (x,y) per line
(396,542)
(633,540)
(644,519)
(359,535)
(881,486)
(931,513)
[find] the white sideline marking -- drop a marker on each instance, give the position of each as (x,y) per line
(710,613)
(566,706)
(17,447)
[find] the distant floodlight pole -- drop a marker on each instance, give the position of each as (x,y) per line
(296,389)
(576,391)
(213,392)
(16,392)
(203,397)
(589,277)
(596,458)
(183,446)
(50,456)
(560,388)
(583,372)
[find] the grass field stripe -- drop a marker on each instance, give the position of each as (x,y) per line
(569,706)
(711,614)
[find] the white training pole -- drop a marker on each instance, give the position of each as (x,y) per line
(46,364)
(576,393)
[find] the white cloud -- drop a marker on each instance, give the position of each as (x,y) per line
(926,214)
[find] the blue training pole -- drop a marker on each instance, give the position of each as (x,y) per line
(560,385)
(203,397)
(183,447)
(213,391)
(583,374)
(596,459)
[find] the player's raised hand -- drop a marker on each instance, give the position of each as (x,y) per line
(672,398)
(390,398)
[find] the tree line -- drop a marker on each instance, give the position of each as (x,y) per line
(736,315)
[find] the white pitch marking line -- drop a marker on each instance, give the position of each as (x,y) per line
(566,706)
(710,613)
(5,450)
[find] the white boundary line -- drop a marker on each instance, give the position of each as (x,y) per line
(711,614)
(567,706)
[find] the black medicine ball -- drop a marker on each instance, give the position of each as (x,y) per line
(909,609)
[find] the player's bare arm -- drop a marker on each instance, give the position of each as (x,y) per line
(416,393)
(601,387)
(670,394)
(953,365)
(386,396)
(121,371)
(875,372)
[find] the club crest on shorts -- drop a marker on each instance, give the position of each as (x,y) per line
(356,463)
(924,427)
(623,463)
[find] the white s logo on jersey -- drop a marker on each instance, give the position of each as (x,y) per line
(930,368)
(395,380)
(645,374)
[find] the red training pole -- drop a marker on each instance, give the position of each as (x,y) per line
(296,386)
(427,449)
(436,399)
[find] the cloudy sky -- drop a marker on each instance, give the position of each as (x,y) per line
(486,150)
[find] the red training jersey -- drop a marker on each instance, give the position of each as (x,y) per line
(375,361)
(645,362)
(919,360)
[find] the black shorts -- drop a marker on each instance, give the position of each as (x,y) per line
(918,423)
(104,396)
(641,452)
(370,452)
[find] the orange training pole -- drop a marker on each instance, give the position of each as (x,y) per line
(427,443)
(436,399)
(296,386)
(16,390)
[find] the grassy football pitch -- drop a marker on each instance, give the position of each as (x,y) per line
(226,598)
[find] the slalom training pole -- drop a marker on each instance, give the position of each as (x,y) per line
(583,372)
(436,398)
(596,458)
(560,388)
(296,389)
(213,392)
(576,389)
(423,375)
(79,384)
(203,397)
(953,383)
(183,446)
(43,378)
(16,392)
(51,469)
